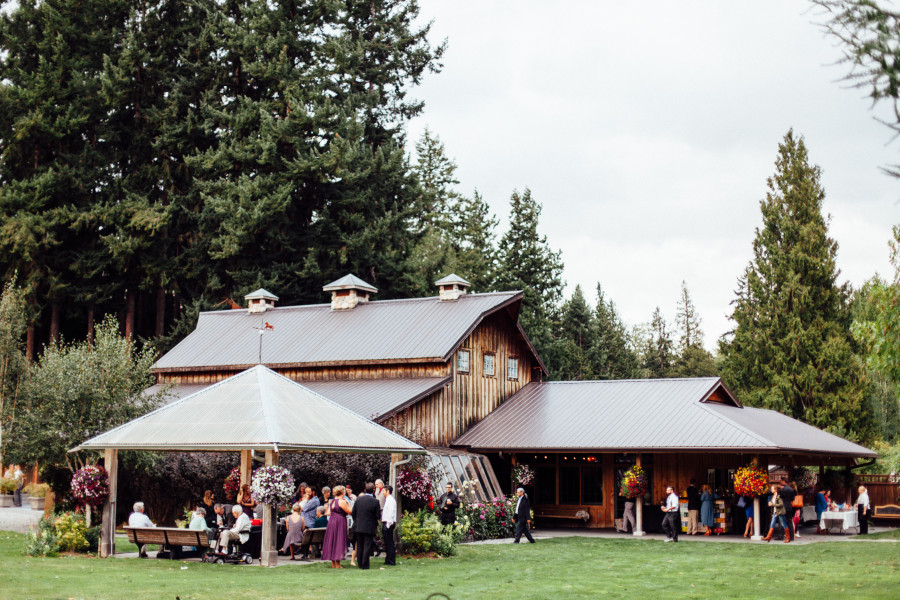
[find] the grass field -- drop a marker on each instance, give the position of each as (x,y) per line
(574,567)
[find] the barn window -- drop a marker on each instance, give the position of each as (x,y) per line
(489,365)
(512,368)
(462,361)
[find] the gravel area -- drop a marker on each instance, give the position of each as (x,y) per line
(19,519)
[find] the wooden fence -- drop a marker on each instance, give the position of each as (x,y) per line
(883,489)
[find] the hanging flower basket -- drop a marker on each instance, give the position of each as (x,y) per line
(414,484)
(634,483)
(523,475)
(751,480)
(232,484)
(272,486)
(90,485)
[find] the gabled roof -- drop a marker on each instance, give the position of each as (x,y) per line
(697,414)
(256,409)
(348,282)
(384,331)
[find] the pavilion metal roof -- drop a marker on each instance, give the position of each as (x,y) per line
(414,330)
(649,414)
(256,409)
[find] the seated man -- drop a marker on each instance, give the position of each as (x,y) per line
(221,520)
(240,532)
(139,519)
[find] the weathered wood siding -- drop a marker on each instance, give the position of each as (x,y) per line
(300,374)
(446,414)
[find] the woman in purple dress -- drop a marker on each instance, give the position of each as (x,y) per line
(334,548)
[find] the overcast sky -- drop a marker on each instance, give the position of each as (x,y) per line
(648,130)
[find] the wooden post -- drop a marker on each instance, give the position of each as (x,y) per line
(757,514)
(246,464)
(268,556)
(108,527)
(639,507)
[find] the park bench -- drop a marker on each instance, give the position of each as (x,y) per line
(313,537)
(173,539)
(556,512)
(888,511)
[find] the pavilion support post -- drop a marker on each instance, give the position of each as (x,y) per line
(246,463)
(638,508)
(108,526)
(757,513)
(269,553)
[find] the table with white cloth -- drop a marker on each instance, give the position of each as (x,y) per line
(845,519)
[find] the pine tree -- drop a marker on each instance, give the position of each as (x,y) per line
(658,357)
(612,356)
(790,350)
(528,263)
(476,242)
(693,359)
(575,336)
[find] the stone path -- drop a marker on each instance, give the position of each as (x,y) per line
(19,519)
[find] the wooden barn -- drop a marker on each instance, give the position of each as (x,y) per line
(456,372)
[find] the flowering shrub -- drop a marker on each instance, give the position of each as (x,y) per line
(42,541)
(414,484)
(523,475)
(272,486)
(90,485)
(634,483)
(422,532)
(232,484)
(489,520)
(71,532)
(805,479)
(750,480)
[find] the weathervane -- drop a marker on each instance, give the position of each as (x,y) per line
(264,326)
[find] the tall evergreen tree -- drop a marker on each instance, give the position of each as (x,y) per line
(790,350)
(476,242)
(528,263)
(612,356)
(658,356)
(576,336)
(693,359)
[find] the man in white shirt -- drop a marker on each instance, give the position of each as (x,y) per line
(671,523)
(388,524)
(139,519)
(240,532)
(863,509)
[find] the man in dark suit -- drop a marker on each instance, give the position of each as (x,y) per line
(523,516)
(787,495)
(366,517)
(448,504)
(693,498)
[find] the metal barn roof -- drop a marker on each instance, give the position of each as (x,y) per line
(256,409)
(420,329)
(649,414)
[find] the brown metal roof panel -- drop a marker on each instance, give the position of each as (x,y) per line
(374,398)
(382,330)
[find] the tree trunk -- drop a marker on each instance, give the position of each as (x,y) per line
(90,329)
(29,343)
(54,322)
(160,312)
(129,314)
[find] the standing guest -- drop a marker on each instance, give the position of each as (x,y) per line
(366,515)
(19,476)
(863,509)
(209,507)
(326,498)
(309,504)
(797,507)
(748,511)
(708,509)
(448,502)
(294,524)
(693,498)
(821,507)
(351,497)
(379,485)
(388,525)
(671,522)
(778,512)
(522,516)
(788,493)
(334,548)
(245,499)
(628,516)
(219,518)
(139,519)
(298,494)
(239,532)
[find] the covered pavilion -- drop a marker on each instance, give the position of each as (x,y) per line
(256,410)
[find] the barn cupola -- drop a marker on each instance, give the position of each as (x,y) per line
(348,291)
(452,287)
(260,301)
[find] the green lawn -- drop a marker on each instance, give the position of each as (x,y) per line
(563,567)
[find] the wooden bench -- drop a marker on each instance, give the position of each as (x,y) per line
(173,538)
(888,511)
(312,537)
(556,512)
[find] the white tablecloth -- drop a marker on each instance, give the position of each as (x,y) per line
(846,519)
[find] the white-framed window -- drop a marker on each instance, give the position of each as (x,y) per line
(489,365)
(462,361)
(512,368)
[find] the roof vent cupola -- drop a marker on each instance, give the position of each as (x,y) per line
(452,287)
(260,301)
(348,291)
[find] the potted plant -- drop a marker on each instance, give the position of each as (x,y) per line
(37,494)
(7,487)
